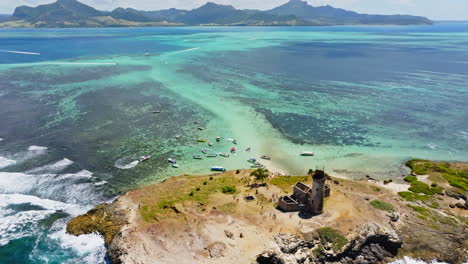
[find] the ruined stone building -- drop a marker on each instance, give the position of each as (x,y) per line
(307,199)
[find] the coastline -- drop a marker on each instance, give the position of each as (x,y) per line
(208,226)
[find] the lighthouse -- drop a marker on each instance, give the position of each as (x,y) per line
(317,193)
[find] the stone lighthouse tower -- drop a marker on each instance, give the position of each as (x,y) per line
(317,193)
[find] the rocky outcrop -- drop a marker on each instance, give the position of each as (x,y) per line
(105,219)
(373,244)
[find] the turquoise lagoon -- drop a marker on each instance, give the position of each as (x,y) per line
(75,118)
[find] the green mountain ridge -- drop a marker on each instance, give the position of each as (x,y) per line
(71,13)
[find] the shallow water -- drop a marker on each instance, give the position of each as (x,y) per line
(364,99)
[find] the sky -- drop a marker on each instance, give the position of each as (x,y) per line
(433,9)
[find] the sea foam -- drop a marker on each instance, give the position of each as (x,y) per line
(408,260)
(4,162)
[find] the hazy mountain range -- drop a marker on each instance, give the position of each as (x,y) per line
(71,13)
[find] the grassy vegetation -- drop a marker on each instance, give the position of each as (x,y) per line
(456,178)
(285,182)
(410,178)
(156,200)
(412,197)
(229,189)
(330,235)
(381,205)
(421,187)
(421,210)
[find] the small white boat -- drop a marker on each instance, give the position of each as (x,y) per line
(265,157)
(212,155)
(144,158)
(307,153)
(257,165)
(200,128)
(174,165)
(197,157)
(177,137)
(210,144)
(222,154)
(156,112)
(171,160)
(252,160)
(218,168)
(218,138)
(203,151)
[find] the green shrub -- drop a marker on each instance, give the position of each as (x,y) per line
(410,178)
(411,196)
(437,190)
(229,189)
(456,178)
(420,187)
(421,210)
(421,168)
(330,235)
(434,205)
(382,205)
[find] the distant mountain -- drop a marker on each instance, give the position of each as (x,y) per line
(214,14)
(62,10)
(71,13)
(336,16)
(170,15)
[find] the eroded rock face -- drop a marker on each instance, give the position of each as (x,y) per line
(105,219)
(373,244)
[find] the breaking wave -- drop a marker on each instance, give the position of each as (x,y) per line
(126,163)
(408,260)
(45,194)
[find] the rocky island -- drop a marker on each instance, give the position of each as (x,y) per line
(234,217)
(74,14)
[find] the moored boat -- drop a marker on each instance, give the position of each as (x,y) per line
(201,140)
(252,160)
(257,165)
(265,157)
(212,155)
(307,153)
(218,138)
(200,128)
(224,154)
(173,165)
(218,168)
(210,144)
(197,157)
(171,160)
(203,151)
(143,158)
